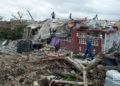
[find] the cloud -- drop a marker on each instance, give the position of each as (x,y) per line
(41,9)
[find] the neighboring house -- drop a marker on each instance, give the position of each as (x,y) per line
(102,38)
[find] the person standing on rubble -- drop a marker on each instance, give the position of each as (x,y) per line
(70,16)
(88,49)
(96,17)
(53,15)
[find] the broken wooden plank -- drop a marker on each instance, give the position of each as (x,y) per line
(73,83)
(85,78)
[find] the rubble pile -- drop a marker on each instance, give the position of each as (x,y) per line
(17,70)
(54,68)
(9,48)
(44,66)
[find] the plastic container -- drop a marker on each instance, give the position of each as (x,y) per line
(112,78)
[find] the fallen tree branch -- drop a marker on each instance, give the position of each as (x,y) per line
(75,63)
(72,61)
(94,62)
(69,74)
(113,67)
(73,83)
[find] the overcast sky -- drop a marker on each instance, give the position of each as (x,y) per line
(41,9)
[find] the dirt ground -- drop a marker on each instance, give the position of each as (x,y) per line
(17,70)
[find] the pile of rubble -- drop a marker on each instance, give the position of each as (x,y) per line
(19,72)
(53,69)
(45,67)
(8,47)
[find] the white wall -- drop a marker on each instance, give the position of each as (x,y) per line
(110,38)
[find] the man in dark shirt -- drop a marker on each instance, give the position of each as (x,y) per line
(53,15)
(88,49)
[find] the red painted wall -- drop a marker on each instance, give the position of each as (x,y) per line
(96,45)
(79,44)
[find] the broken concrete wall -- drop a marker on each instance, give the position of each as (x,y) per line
(43,33)
(56,24)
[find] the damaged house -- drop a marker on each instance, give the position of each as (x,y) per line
(103,37)
(101,32)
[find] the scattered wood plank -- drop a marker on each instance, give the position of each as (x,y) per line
(85,78)
(73,83)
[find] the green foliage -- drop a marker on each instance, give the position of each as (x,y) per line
(68,78)
(12,34)
(77,56)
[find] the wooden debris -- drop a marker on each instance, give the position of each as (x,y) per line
(71,83)
(85,78)
(22,72)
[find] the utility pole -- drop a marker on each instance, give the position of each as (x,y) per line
(30,15)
